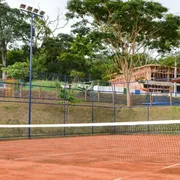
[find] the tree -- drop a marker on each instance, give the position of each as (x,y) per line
(170,61)
(85,54)
(12,28)
(44,29)
(128,28)
(51,48)
(16,55)
(17,71)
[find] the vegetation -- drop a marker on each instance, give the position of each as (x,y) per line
(13,27)
(17,71)
(16,113)
(108,37)
(128,28)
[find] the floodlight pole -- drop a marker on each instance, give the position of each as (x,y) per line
(30,74)
(32,15)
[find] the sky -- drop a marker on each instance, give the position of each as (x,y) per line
(51,7)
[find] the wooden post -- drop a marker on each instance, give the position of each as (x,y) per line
(40,92)
(10,92)
(98,96)
(57,93)
(13,89)
(85,98)
(21,91)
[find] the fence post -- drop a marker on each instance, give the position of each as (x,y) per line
(64,104)
(170,99)
(21,91)
(85,95)
(98,96)
(113,94)
(4,93)
(40,92)
(92,115)
(114,110)
(150,101)
(57,93)
(13,89)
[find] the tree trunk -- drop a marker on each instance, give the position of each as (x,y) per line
(4,55)
(128,95)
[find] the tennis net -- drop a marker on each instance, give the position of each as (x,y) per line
(168,127)
(152,141)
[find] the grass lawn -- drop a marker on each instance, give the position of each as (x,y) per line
(17,113)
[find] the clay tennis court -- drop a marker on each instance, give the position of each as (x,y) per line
(111,157)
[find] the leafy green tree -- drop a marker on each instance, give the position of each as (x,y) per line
(65,94)
(128,28)
(51,48)
(16,55)
(17,71)
(85,54)
(76,75)
(13,27)
(170,61)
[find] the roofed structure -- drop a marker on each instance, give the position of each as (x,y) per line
(153,77)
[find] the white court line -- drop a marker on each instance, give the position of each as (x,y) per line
(51,155)
(62,154)
(167,167)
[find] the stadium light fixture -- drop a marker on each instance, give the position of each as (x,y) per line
(42,13)
(22,6)
(36,11)
(33,12)
(29,9)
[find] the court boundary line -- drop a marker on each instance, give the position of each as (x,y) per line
(59,154)
(173,165)
(50,155)
(142,173)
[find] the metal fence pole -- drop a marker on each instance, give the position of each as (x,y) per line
(92,110)
(64,104)
(114,109)
(148,106)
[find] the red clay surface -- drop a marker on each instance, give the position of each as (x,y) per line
(116,157)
